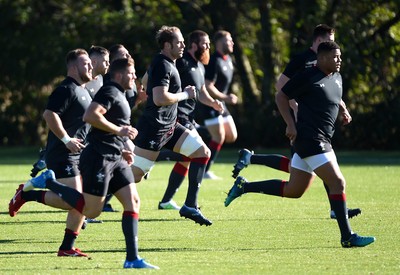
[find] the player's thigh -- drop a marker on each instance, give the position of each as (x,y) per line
(230,129)
(298,184)
(93,205)
(143,162)
(129,198)
(190,143)
(332,176)
(217,131)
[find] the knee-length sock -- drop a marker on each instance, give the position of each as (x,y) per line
(34,195)
(177,176)
(270,187)
(69,239)
(130,222)
(68,194)
(274,161)
(338,202)
(196,173)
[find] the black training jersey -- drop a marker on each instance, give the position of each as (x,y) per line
(220,71)
(112,97)
(162,72)
(318,96)
(69,101)
(94,85)
(191,73)
(300,62)
(131,94)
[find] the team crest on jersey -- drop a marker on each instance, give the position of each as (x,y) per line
(193,69)
(152,143)
(338,83)
(100,177)
(224,68)
(68,169)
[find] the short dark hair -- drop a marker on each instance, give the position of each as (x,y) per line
(322,30)
(327,46)
(195,36)
(97,50)
(166,34)
(114,50)
(73,55)
(120,65)
(220,34)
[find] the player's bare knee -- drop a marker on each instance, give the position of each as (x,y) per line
(92,213)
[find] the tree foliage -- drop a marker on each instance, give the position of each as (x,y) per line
(36,35)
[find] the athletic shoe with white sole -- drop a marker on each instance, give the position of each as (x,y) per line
(242,162)
(194,214)
(139,263)
(350,212)
(74,252)
(357,241)
(39,181)
(236,190)
(16,202)
(169,205)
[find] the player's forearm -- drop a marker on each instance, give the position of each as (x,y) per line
(54,123)
(205,97)
(214,92)
(282,101)
(98,121)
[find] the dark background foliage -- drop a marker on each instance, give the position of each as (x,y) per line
(36,35)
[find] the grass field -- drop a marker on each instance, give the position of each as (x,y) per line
(256,234)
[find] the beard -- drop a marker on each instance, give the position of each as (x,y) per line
(203,56)
(85,76)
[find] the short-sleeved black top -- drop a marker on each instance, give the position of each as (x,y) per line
(300,62)
(191,73)
(318,96)
(112,97)
(220,71)
(69,100)
(162,72)
(131,94)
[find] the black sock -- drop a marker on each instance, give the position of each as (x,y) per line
(69,239)
(130,222)
(214,148)
(34,195)
(278,162)
(338,202)
(196,173)
(168,155)
(269,187)
(108,198)
(176,178)
(71,196)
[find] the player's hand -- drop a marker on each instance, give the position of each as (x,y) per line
(75,145)
(141,95)
(127,131)
(346,117)
(191,90)
(231,99)
(128,156)
(291,133)
(218,106)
